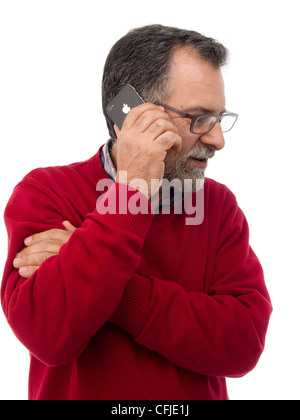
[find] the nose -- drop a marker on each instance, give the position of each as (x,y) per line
(214,138)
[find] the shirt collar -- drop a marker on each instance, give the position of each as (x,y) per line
(106,161)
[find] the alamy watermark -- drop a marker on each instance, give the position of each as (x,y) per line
(165,197)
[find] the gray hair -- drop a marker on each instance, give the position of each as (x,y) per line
(142,58)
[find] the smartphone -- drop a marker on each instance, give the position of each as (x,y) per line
(122,104)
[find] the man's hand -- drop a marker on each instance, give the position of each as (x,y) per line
(40,247)
(142,145)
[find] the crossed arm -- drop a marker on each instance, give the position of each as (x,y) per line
(238,336)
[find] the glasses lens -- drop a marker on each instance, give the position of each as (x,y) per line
(228,122)
(204,124)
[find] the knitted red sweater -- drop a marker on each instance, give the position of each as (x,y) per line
(135,307)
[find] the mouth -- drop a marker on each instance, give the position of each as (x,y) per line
(202,163)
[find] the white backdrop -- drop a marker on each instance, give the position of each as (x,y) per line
(52,54)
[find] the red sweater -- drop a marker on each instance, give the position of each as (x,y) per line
(134,307)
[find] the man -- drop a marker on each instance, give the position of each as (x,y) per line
(138,305)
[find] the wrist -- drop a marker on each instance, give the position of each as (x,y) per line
(136,183)
(132,313)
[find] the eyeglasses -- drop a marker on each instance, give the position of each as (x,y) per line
(203,124)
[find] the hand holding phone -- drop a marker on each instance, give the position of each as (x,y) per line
(144,137)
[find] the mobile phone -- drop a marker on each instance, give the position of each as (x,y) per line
(122,104)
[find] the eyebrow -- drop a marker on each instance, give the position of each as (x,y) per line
(202,110)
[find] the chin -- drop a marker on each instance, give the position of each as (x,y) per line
(189,180)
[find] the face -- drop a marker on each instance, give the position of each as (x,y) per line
(196,88)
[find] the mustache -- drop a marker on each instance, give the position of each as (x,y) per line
(203,152)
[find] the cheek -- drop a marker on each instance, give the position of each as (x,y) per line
(188,139)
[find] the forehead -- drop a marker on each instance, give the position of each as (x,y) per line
(195,82)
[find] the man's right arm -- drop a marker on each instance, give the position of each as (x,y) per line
(65,302)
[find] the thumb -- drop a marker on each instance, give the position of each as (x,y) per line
(117,130)
(68,226)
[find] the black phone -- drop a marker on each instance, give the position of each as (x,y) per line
(122,104)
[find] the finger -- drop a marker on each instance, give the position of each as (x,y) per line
(177,143)
(27,272)
(169,140)
(149,119)
(160,126)
(31,260)
(45,245)
(53,234)
(69,227)
(136,112)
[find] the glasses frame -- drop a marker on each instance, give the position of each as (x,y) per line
(195,118)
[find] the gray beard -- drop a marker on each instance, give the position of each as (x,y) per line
(178,165)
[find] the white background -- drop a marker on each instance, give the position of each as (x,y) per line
(51,60)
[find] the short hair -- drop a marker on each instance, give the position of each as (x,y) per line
(142,58)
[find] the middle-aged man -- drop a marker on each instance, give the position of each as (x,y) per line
(135,305)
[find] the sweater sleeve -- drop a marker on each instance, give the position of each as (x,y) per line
(67,300)
(218,333)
